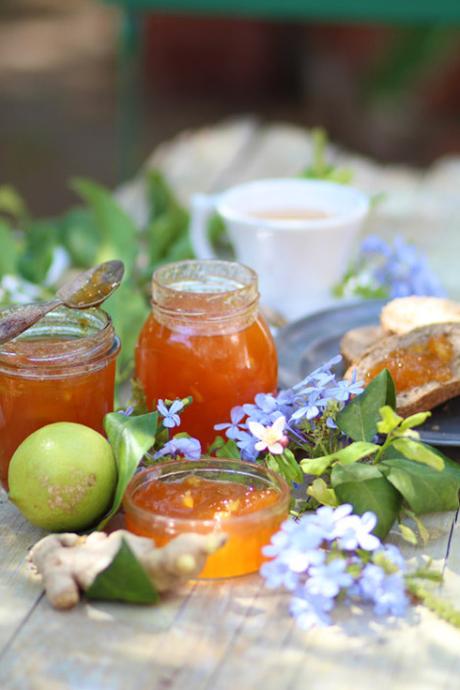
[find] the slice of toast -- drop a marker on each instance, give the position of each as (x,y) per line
(432,392)
(355,342)
(403,314)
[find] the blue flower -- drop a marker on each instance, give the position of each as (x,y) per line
(399,268)
(128,412)
(387,592)
(355,532)
(185,445)
(246,442)
(311,611)
(232,429)
(170,416)
(328,579)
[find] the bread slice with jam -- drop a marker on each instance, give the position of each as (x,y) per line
(403,314)
(355,342)
(424,363)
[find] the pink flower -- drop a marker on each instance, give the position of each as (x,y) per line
(272,438)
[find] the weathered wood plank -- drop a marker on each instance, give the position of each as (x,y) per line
(18,593)
(213,635)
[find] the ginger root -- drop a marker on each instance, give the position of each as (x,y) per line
(69,563)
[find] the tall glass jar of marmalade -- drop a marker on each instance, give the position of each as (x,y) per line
(206,338)
(62,369)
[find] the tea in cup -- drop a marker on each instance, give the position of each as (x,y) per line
(297,234)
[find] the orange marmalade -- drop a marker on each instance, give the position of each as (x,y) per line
(62,369)
(417,364)
(245,501)
(205,338)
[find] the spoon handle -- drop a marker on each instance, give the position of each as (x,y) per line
(23,318)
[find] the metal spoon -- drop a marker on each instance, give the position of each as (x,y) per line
(87,289)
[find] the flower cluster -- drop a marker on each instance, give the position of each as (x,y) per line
(180,444)
(332,553)
(390,270)
(292,417)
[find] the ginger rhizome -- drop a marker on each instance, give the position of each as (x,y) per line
(69,563)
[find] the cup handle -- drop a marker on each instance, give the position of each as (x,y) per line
(201,209)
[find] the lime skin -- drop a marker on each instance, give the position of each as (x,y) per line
(63,477)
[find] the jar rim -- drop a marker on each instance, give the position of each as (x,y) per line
(82,339)
(273,479)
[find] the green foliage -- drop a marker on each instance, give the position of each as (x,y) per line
(360,417)
(443,609)
(9,250)
(124,579)
(375,494)
(286,465)
(222,448)
(424,489)
(324,495)
(320,169)
(130,438)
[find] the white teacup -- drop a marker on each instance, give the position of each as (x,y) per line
(298,259)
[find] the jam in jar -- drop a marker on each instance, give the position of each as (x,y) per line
(62,369)
(206,338)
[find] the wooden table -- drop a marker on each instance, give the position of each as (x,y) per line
(217,636)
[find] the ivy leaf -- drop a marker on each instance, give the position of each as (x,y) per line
(124,579)
(375,494)
(322,493)
(424,489)
(359,417)
(389,420)
(419,452)
(130,438)
(286,465)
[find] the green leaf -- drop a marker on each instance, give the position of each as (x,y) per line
(322,493)
(116,229)
(159,194)
(376,495)
(40,240)
(419,452)
(423,488)
(9,250)
(414,420)
(357,472)
(286,465)
(128,310)
(359,417)
(80,236)
(346,456)
(222,448)
(12,203)
(130,438)
(316,466)
(124,579)
(389,420)
(408,534)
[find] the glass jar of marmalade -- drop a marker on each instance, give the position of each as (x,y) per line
(206,338)
(62,369)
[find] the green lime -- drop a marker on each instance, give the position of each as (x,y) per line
(63,476)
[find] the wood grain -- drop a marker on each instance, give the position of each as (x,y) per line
(18,591)
(215,635)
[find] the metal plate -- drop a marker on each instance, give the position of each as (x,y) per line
(306,344)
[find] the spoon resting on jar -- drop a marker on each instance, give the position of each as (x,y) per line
(87,289)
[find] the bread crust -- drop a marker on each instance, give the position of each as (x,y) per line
(405,314)
(357,341)
(431,393)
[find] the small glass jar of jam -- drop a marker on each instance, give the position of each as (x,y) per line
(62,369)
(206,338)
(243,500)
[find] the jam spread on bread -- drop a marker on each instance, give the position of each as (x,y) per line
(417,364)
